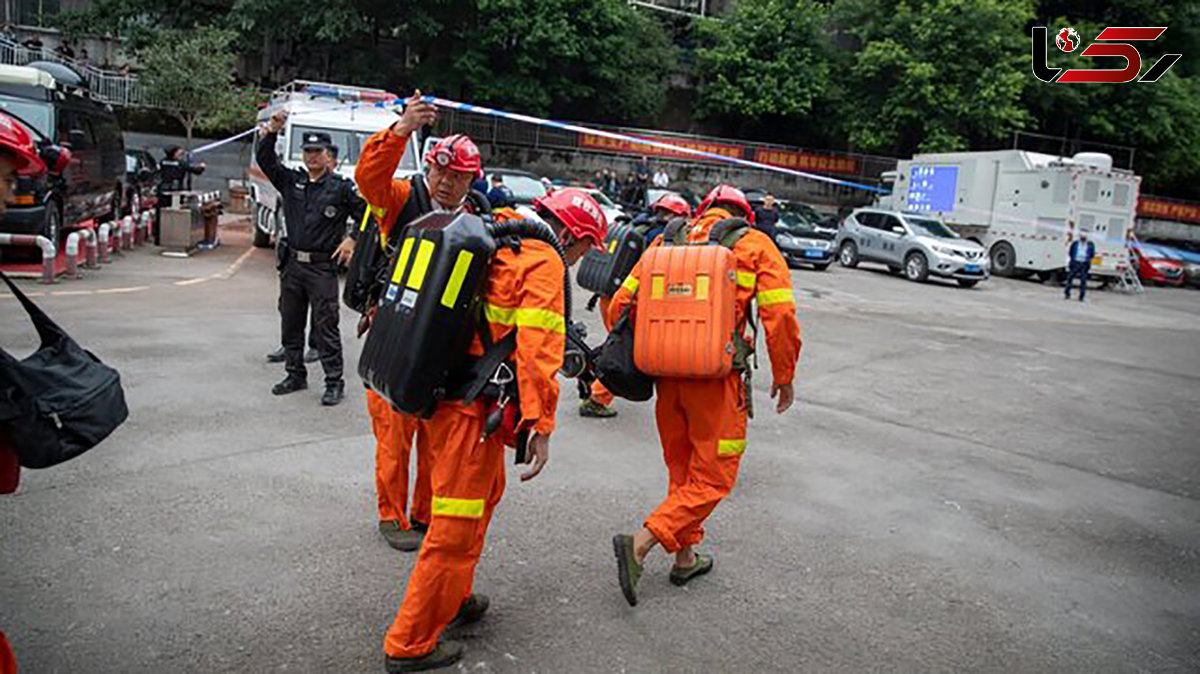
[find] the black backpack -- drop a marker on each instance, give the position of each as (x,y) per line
(615,367)
(59,402)
(367,264)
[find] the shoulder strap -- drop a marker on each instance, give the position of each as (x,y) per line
(47,329)
(675,233)
(728,232)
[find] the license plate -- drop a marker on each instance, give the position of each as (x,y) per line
(972,268)
(813,252)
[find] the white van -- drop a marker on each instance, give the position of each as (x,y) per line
(348,114)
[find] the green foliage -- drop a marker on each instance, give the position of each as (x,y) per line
(191,74)
(769,58)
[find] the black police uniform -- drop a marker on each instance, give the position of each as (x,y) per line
(316,215)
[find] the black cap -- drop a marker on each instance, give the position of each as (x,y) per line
(316,140)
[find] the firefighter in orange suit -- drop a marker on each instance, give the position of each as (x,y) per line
(524,291)
(452,164)
(702,422)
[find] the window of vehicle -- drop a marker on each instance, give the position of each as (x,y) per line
(523,188)
(602,199)
(796,224)
(888,223)
(37,114)
(131,164)
(930,227)
(868,219)
(348,144)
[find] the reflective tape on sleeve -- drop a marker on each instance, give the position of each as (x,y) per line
(777,296)
(731,447)
(545,319)
(746,279)
(444,506)
(631,284)
(362,226)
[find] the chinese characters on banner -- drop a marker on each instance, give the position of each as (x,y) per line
(807,161)
(791,159)
(1168,210)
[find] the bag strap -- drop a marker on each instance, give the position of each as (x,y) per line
(728,232)
(675,233)
(47,329)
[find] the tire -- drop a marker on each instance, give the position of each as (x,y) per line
(916,267)
(968,282)
(261,239)
(1004,259)
(52,225)
(848,254)
(822,267)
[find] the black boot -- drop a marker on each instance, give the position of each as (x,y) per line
(446,654)
(334,392)
(290,384)
(276,356)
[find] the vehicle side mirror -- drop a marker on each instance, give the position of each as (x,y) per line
(56,157)
(898,230)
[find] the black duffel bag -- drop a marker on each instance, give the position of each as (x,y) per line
(59,402)
(615,368)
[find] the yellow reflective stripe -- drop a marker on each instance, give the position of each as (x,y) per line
(746,279)
(362,226)
(545,319)
(454,285)
(777,296)
(702,286)
(420,264)
(631,284)
(458,507)
(731,447)
(405,251)
(658,286)
(380,211)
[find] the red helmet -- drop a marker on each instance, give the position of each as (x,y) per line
(727,195)
(457,153)
(16,142)
(577,211)
(674,204)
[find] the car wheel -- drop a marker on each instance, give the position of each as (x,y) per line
(52,224)
(262,238)
(848,255)
(968,282)
(916,267)
(1004,259)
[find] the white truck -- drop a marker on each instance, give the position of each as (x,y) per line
(1024,207)
(348,114)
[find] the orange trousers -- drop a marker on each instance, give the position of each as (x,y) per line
(702,426)
(468,482)
(393,444)
(600,394)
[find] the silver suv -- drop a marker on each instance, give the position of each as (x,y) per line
(913,242)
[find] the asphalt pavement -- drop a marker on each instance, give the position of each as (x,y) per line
(972,480)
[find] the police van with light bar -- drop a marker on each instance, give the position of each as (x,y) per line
(350,115)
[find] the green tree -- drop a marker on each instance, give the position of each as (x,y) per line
(770,58)
(584,59)
(933,75)
(191,75)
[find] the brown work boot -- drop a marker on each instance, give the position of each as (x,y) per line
(680,575)
(446,654)
(629,570)
(471,610)
(404,540)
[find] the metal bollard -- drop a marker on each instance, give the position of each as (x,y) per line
(89,237)
(73,255)
(127,233)
(49,252)
(104,245)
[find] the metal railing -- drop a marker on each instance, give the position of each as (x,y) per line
(107,86)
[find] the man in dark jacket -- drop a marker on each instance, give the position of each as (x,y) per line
(766,216)
(317,205)
(173,173)
(1079,264)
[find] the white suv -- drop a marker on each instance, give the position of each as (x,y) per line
(913,242)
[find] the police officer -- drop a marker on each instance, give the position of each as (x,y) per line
(317,205)
(174,173)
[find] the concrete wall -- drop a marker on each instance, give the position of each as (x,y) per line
(698,178)
(228,162)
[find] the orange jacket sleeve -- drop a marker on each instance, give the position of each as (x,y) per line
(626,295)
(776,305)
(541,335)
(375,173)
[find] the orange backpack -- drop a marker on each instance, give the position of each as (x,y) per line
(686,305)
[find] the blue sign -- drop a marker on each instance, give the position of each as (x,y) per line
(932,188)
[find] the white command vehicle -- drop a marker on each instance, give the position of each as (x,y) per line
(348,114)
(1024,207)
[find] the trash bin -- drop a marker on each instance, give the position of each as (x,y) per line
(189,221)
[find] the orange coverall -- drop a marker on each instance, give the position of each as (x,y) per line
(702,422)
(523,292)
(600,394)
(393,430)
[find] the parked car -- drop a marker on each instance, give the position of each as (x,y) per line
(51,100)
(1156,266)
(1187,253)
(914,243)
(653,194)
(804,242)
(612,212)
(523,185)
(141,177)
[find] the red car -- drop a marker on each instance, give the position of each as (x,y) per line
(1153,268)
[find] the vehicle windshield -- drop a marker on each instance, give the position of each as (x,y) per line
(930,227)
(524,189)
(794,223)
(602,199)
(348,142)
(35,113)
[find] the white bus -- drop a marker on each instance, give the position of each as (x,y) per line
(346,113)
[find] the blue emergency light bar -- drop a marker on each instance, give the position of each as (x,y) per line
(347,94)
